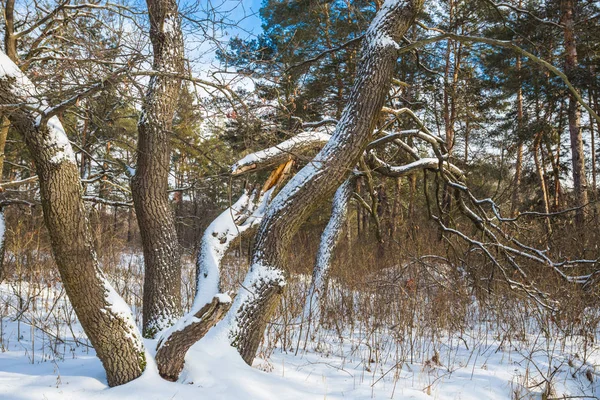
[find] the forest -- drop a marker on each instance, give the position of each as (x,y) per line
(299,199)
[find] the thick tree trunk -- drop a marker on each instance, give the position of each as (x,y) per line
(104,316)
(162,280)
(578,157)
(320,178)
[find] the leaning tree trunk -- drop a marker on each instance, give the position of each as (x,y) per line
(574,114)
(104,316)
(162,279)
(330,238)
(320,178)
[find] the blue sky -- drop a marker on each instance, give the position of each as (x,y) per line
(232,18)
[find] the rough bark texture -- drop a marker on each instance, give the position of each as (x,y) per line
(162,280)
(172,349)
(574,113)
(320,178)
(106,319)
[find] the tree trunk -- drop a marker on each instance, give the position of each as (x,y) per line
(105,317)
(10,41)
(173,347)
(540,173)
(329,240)
(162,279)
(516,194)
(320,178)
(578,157)
(10,48)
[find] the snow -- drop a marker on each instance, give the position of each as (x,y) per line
(117,306)
(58,139)
(476,363)
(224,298)
(376,34)
(386,40)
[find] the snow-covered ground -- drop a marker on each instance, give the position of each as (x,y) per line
(54,361)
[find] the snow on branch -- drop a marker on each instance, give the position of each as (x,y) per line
(282,152)
(329,240)
(55,139)
(403,170)
(218,237)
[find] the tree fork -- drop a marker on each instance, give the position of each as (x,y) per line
(319,179)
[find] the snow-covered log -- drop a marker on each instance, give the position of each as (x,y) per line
(105,317)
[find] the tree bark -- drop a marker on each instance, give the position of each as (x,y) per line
(10,41)
(320,178)
(162,280)
(516,194)
(171,349)
(574,114)
(104,316)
